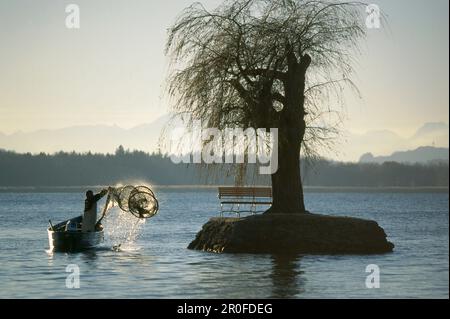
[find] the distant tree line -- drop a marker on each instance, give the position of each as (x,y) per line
(74,169)
(388,174)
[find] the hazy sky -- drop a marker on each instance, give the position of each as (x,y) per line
(112,70)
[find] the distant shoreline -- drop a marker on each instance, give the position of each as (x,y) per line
(312,189)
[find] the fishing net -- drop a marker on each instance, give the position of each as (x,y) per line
(140,201)
(124,194)
(143,205)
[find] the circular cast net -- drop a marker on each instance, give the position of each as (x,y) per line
(139,201)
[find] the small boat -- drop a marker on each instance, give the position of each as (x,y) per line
(68,237)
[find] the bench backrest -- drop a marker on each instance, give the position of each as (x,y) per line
(245,192)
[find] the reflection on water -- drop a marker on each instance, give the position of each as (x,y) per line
(90,258)
(287,281)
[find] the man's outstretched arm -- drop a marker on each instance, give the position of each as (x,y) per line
(100,195)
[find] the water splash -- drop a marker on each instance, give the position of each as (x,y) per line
(122,230)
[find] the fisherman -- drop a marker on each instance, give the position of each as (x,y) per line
(90,210)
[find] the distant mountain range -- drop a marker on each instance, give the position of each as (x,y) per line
(146,137)
(420,155)
(97,138)
(385,142)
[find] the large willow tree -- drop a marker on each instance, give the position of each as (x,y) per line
(266,64)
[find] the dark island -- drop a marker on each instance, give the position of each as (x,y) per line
(292,233)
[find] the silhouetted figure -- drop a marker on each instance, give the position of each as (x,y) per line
(90,210)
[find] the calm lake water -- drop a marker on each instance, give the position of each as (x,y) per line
(158,265)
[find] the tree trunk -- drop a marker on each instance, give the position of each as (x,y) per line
(287,186)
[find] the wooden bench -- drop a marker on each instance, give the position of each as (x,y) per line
(247,196)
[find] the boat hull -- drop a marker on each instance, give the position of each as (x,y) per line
(72,241)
